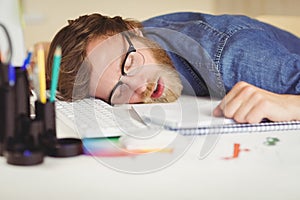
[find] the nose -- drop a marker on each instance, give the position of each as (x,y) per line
(138,84)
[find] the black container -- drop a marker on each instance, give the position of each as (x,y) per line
(53,146)
(21,147)
(23,140)
(7,116)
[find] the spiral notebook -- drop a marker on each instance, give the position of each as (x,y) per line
(193,116)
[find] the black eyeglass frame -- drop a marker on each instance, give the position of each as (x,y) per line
(131,49)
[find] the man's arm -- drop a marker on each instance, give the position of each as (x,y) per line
(246,103)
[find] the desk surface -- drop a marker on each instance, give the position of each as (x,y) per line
(259,172)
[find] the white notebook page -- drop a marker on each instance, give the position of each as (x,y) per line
(186,112)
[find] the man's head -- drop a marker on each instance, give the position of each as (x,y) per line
(98,60)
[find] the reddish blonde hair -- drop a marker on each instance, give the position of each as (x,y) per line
(73,39)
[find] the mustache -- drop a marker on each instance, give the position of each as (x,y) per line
(168,95)
(149,90)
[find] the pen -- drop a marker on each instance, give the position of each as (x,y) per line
(27,60)
(55,73)
(42,78)
(11,75)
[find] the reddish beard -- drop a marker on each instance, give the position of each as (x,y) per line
(173,86)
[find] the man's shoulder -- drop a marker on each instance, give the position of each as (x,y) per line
(222,23)
(178,17)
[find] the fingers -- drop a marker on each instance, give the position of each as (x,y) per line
(217,112)
(241,104)
(250,113)
(246,103)
(234,99)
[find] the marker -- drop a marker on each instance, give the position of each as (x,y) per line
(42,76)
(236,150)
(27,60)
(55,73)
(11,75)
(271,141)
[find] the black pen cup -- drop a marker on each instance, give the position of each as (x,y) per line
(4,89)
(22,104)
(17,114)
(3,74)
(20,145)
(7,117)
(22,92)
(53,146)
(45,112)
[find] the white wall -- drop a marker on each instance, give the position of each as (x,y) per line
(10,18)
(43,17)
(259,7)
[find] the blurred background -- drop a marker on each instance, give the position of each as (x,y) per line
(43,18)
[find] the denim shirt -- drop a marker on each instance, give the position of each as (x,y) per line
(212,53)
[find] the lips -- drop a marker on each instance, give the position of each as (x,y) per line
(158,90)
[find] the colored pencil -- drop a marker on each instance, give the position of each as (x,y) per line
(42,76)
(55,73)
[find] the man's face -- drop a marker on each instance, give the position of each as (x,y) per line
(150,76)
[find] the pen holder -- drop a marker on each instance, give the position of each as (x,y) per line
(18,99)
(7,116)
(20,146)
(45,112)
(22,93)
(53,146)
(3,74)
(4,119)
(22,105)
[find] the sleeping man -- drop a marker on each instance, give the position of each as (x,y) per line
(252,66)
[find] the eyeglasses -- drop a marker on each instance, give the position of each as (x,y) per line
(131,64)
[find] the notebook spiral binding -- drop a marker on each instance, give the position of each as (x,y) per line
(239,128)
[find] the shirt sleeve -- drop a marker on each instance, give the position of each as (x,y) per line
(261,59)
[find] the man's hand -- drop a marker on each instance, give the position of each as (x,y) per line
(246,103)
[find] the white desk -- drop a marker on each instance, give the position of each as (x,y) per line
(264,172)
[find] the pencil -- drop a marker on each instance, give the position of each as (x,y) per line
(55,73)
(42,76)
